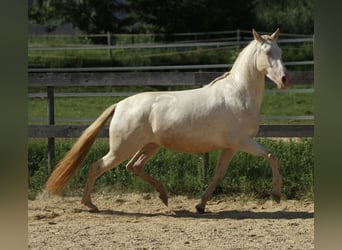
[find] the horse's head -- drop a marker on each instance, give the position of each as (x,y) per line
(269,60)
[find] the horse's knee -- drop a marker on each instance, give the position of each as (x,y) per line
(272,157)
(94,169)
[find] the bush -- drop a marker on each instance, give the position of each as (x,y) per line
(182,173)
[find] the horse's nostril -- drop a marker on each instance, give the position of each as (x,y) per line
(284,80)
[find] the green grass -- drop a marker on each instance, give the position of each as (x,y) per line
(288,104)
(182,173)
(130,57)
(71,107)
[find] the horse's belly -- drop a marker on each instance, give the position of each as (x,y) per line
(190,144)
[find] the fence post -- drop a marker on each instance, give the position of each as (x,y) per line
(238,39)
(51,121)
(205,166)
(109,43)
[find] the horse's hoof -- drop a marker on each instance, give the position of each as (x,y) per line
(164,199)
(92,208)
(200,209)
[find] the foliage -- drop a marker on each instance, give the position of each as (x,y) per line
(292,16)
(166,16)
(190,16)
(37,167)
(90,16)
(182,173)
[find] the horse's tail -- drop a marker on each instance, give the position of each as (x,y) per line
(68,166)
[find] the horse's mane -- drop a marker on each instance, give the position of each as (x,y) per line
(218,78)
(254,43)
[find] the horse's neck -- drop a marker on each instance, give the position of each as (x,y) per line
(248,80)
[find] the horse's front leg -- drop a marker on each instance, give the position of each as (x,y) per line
(252,147)
(221,169)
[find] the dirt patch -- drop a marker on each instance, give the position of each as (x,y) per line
(141,221)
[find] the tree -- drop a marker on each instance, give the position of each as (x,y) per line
(291,16)
(90,16)
(169,16)
(172,16)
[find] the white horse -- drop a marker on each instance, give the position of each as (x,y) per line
(222,115)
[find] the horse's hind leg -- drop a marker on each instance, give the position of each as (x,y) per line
(220,171)
(137,163)
(108,162)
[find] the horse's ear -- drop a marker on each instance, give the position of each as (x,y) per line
(258,37)
(275,35)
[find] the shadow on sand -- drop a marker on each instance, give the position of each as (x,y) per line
(232,214)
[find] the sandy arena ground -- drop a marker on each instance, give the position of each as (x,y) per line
(141,221)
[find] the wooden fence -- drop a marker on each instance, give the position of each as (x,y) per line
(71,77)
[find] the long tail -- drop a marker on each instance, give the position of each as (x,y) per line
(68,166)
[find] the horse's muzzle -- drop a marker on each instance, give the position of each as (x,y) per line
(284,82)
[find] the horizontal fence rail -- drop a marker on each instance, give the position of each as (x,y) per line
(263,118)
(234,33)
(74,131)
(151,68)
(41,79)
(126,94)
(164,45)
